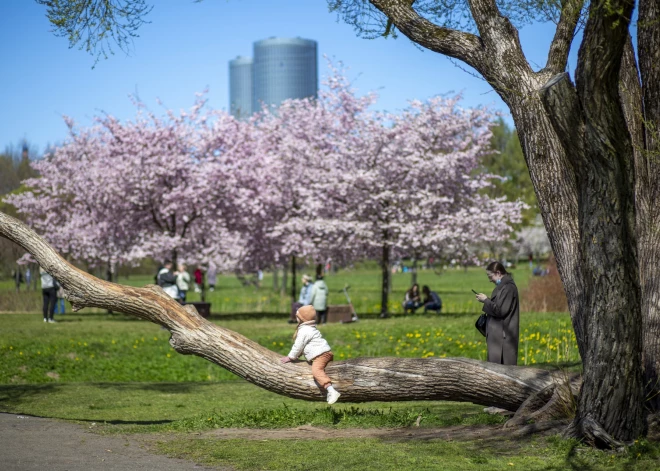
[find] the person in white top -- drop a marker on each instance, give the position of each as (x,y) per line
(183,282)
(308,340)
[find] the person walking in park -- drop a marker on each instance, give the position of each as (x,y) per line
(167,280)
(432,301)
(304,299)
(412,301)
(183,282)
(308,340)
(199,279)
(319,298)
(49,294)
(502,311)
(59,304)
(211,277)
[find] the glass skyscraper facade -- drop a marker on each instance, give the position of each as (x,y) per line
(240,87)
(282,68)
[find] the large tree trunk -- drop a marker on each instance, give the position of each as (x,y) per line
(359,380)
(294,289)
(385,279)
(413,271)
(285,272)
(646,137)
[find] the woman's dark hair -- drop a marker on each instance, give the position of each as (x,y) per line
(497,266)
(426,290)
(412,288)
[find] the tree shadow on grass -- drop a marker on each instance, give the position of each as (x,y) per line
(169,388)
(13,394)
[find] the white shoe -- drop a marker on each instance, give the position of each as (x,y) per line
(52,321)
(333,396)
(45,320)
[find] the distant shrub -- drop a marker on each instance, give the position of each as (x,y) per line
(545,293)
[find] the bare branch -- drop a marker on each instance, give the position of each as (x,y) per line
(458,44)
(561,43)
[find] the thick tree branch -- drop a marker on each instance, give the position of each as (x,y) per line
(458,44)
(359,380)
(562,105)
(564,34)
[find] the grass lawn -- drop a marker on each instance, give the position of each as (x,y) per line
(121,375)
(231,296)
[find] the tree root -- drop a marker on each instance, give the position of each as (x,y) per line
(556,401)
(592,433)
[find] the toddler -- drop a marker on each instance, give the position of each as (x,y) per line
(308,340)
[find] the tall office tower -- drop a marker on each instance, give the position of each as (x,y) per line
(283,68)
(240,87)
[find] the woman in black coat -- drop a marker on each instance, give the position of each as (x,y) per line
(502,310)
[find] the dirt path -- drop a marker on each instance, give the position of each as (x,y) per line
(483,433)
(32,443)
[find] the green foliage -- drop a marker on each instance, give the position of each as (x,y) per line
(508,162)
(370,23)
(95,25)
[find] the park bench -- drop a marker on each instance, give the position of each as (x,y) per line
(340,313)
(203,309)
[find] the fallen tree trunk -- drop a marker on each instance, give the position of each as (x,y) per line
(359,380)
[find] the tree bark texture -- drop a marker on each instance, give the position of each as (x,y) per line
(597,204)
(647,188)
(359,380)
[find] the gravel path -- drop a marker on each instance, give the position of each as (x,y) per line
(32,443)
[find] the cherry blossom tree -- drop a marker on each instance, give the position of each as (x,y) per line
(409,183)
(121,191)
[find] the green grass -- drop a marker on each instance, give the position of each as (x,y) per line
(231,296)
(150,407)
(104,348)
(380,455)
(122,375)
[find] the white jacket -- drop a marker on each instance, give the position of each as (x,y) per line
(310,342)
(183,281)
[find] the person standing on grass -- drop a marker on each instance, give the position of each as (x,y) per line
(308,340)
(304,299)
(183,282)
(199,279)
(319,298)
(49,294)
(502,311)
(211,277)
(59,305)
(167,280)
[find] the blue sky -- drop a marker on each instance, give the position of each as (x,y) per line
(186,48)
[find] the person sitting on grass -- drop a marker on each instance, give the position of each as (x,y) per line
(412,300)
(308,340)
(432,301)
